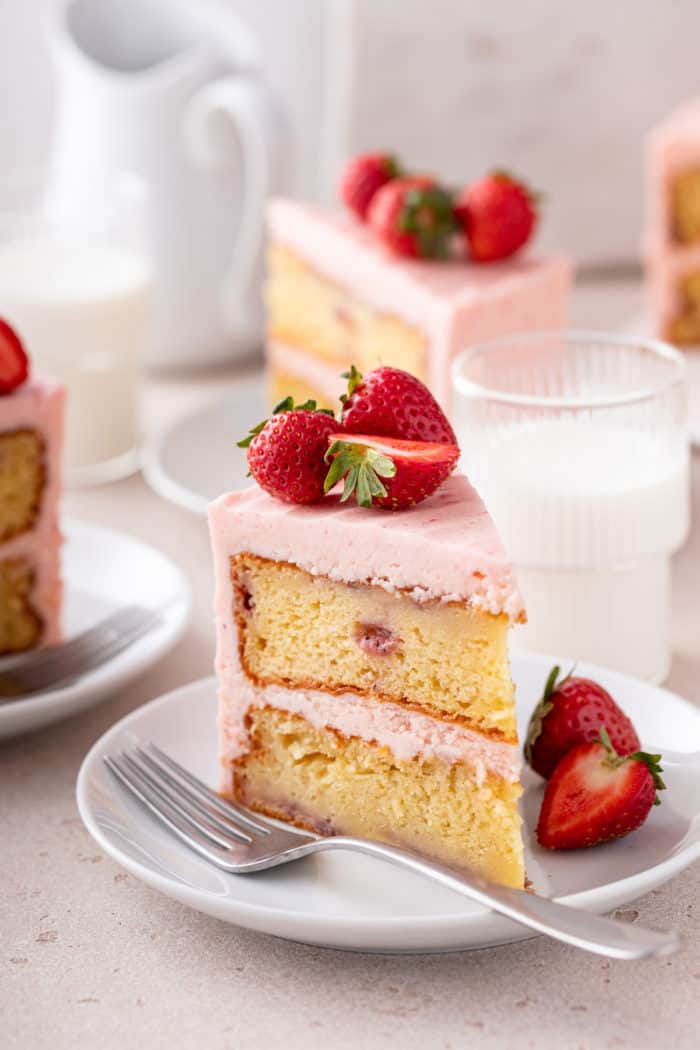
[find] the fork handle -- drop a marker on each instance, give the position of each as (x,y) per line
(594,933)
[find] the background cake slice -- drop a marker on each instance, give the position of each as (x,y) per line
(31,442)
(335,296)
(672,234)
(363,672)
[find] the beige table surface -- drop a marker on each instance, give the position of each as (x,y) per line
(90,956)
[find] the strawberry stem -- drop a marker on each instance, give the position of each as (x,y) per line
(362,468)
(536,196)
(285,405)
(429,215)
(541,711)
(652,762)
(354,378)
(392,167)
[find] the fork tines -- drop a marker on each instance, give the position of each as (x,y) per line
(198,816)
(57,665)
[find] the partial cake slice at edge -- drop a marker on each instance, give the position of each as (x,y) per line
(31,445)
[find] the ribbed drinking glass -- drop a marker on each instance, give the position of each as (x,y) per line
(577,442)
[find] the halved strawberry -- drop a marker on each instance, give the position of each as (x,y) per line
(14,364)
(387,472)
(570,712)
(595,795)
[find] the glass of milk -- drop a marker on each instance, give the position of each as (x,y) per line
(76,282)
(578,445)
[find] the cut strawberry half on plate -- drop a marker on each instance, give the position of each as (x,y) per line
(387,472)
(14,363)
(595,795)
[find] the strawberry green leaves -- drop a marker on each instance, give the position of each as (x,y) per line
(286,405)
(362,467)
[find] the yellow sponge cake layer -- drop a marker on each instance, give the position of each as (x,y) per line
(20,624)
(22,476)
(312,312)
(329,783)
(305,631)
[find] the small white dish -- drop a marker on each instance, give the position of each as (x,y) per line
(343,900)
(173,463)
(104,570)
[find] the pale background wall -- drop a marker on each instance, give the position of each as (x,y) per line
(559,91)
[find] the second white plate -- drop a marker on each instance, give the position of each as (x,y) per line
(174,465)
(343,900)
(104,570)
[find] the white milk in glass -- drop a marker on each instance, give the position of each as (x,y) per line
(82,305)
(589,516)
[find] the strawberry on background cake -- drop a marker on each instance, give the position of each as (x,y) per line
(31,442)
(363,603)
(407,274)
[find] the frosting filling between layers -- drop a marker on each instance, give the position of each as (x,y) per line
(406,733)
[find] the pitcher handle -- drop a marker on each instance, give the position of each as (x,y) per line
(252,115)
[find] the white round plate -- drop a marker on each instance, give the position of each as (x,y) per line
(343,900)
(104,570)
(173,463)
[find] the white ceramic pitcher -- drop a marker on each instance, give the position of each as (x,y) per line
(172,90)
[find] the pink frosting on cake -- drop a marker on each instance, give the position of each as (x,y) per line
(455,303)
(445,549)
(39,405)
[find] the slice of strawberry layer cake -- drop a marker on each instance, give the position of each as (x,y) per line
(407,275)
(362,655)
(31,442)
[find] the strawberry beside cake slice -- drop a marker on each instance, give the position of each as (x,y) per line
(363,671)
(31,442)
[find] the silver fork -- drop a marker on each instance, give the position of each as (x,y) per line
(239,841)
(32,672)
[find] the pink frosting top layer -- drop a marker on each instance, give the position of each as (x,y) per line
(39,404)
(446,548)
(455,303)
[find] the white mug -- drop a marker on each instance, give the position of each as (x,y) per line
(173,92)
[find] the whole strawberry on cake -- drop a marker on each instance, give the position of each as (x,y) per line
(363,601)
(31,442)
(407,273)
